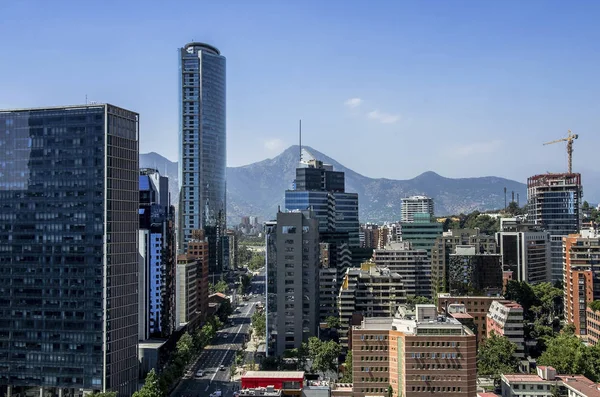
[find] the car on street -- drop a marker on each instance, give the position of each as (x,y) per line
(226,335)
(218,393)
(221,367)
(199,373)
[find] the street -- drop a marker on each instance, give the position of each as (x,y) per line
(222,352)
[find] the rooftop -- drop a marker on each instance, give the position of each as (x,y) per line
(461,315)
(274,374)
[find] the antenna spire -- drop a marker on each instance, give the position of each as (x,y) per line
(300,136)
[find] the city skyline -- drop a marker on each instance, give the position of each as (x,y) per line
(479,80)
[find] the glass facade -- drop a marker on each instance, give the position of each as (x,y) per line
(202,138)
(68,248)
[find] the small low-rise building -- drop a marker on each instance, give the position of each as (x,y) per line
(505,318)
(289,382)
(546,383)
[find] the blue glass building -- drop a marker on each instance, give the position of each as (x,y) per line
(202,143)
(321,189)
(68,250)
(554,203)
(157,257)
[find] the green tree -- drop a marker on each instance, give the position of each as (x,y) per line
(324,355)
(496,357)
(585,206)
(418,300)
(595,306)
(390,391)
(347,377)
(568,355)
(221,286)
(151,387)
(333,322)
(185,347)
(106,394)
(522,293)
(257,261)
(225,310)
(259,324)
(549,298)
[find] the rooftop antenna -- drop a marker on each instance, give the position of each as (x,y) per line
(300,137)
(86,102)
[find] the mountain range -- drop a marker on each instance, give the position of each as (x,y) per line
(258,189)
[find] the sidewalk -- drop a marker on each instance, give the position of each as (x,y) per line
(251,347)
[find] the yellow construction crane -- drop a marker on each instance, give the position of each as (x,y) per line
(569,139)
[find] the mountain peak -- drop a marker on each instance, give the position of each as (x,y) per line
(258,189)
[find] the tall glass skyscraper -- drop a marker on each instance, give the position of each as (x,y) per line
(68,250)
(554,203)
(202,147)
(319,188)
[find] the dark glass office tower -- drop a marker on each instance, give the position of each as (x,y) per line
(319,188)
(202,147)
(68,249)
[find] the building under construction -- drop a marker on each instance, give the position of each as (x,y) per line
(554,202)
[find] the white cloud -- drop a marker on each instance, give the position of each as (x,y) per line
(274,145)
(353,103)
(384,118)
(478,148)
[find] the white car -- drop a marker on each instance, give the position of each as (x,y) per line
(216,394)
(199,373)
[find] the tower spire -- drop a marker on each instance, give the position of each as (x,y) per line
(300,137)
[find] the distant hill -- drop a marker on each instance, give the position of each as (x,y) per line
(258,189)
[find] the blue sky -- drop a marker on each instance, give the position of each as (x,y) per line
(388,88)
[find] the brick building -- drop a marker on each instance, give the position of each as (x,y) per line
(420,356)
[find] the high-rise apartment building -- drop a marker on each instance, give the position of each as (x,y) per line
(446,244)
(202,152)
(336,257)
(415,205)
(525,250)
(198,250)
(157,257)
(187,290)
(505,318)
(581,276)
(422,232)
(292,280)
(370,291)
(412,265)
(427,355)
(69,199)
(321,189)
(554,203)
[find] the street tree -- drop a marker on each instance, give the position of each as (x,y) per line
(259,324)
(185,347)
(220,287)
(151,387)
(347,377)
(496,357)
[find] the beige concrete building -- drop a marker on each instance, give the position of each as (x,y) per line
(424,355)
(476,306)
(411,264)
(370,291)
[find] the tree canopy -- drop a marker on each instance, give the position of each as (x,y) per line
(324,355)
(221,286)
(568,355)
(105,394)
(496,357)
(595,306)
(151,387)
(347,377)
(333,322)
(259,324)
